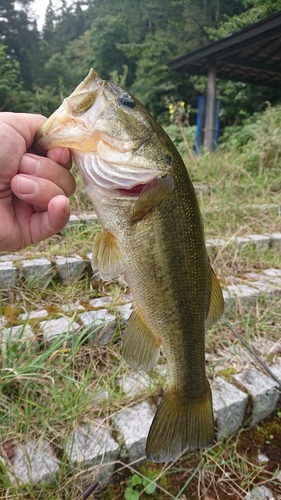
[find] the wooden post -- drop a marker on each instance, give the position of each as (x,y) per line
(210,110)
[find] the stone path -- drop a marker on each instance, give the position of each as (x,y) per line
(252,398)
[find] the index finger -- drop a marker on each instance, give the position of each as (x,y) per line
(24,124)
(61,156)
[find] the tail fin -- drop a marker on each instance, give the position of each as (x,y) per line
(180,423)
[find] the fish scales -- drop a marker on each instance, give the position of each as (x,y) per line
(153,232)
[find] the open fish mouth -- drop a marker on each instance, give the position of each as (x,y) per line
(93,123)
(115,169)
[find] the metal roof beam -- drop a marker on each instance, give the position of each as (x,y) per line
(253,65)
(263,30)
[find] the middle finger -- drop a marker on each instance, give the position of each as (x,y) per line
(46,168)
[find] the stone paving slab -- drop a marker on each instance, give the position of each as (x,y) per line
(41,313)
(135,383)
(20,334)
(92,445)
(53,329)
(242,241)
(229,407)
(70,268)
(89,219)
(272,273)
(101,302)
(276,368)
(74,267)
(260,493)
(260,241)
(8,274)
(134,423)
(216,242)
(125,311)
(72,223)
(262,390)
(243,292)
(275,238)
(35,463)
(100,325)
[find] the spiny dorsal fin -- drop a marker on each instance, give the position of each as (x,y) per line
(153,193)
(140,347)
(216,306)
(107,257)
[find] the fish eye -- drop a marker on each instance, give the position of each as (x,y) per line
(126,101)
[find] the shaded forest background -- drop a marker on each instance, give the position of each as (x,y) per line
(127,41)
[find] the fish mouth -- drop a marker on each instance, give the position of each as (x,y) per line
(109,155)
(133,192)
(115,170)
(108,162)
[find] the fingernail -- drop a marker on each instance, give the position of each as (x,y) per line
(29,164)
(26,185)
(66,208)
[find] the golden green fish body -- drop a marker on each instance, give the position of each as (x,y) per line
(152,231)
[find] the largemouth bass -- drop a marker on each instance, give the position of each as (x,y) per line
(152,231)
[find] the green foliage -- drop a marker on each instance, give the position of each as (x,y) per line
(154,80)
(254,11)
(111,35)
(12,95)
(241,100)
(19,34)
(258,140)
(137,483)
(174,133)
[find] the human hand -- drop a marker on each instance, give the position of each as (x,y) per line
(34,190)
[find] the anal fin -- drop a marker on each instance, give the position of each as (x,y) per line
(216,306)
(107,257)
(140,347)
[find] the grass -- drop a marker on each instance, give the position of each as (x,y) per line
(46,390)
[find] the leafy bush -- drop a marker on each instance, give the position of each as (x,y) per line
(258,140)
(173,132)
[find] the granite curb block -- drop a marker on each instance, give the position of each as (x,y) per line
(92,446)
(252,398)
(67,269)
(70,268)
(229,407)
(262,390)
(34,463)
(134,423)
(8,274)
(37,270)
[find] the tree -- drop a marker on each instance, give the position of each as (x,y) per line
(13,97)
(19,34)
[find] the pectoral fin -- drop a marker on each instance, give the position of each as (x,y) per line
(140,347)
(152,194)
(216,303)
(107,257)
